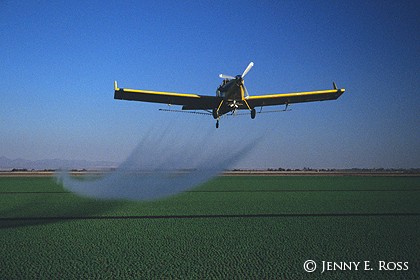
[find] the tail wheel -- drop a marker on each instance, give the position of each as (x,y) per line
(217,124)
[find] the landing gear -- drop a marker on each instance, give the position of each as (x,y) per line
(215,113)
(253,113)
(216,116)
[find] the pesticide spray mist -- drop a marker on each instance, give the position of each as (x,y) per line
(167,161)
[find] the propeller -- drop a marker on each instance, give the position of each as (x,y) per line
(250,65)
(247,69)
(246,95)
(223,76)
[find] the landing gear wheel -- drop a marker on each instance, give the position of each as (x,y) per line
(215,114)
(253,113)
(217,124)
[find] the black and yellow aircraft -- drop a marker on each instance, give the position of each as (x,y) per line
(231,95)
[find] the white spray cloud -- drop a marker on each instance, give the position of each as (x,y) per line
(166,162)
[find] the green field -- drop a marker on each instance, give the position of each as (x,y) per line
(239,227)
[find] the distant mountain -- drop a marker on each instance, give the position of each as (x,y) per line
(9,164)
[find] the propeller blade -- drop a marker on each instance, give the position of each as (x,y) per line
(247,69)
(246,94)
(223,76)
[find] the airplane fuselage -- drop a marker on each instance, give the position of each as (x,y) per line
(231,90)
(233,93)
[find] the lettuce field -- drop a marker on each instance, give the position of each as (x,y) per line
(233,227)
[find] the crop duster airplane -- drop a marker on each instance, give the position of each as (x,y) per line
(231,96)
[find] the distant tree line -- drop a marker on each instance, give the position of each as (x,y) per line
(358,170)
(32,170)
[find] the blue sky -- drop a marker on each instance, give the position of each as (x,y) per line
(59,60)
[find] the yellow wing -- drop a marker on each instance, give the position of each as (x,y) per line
(188,100)
(294,97)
